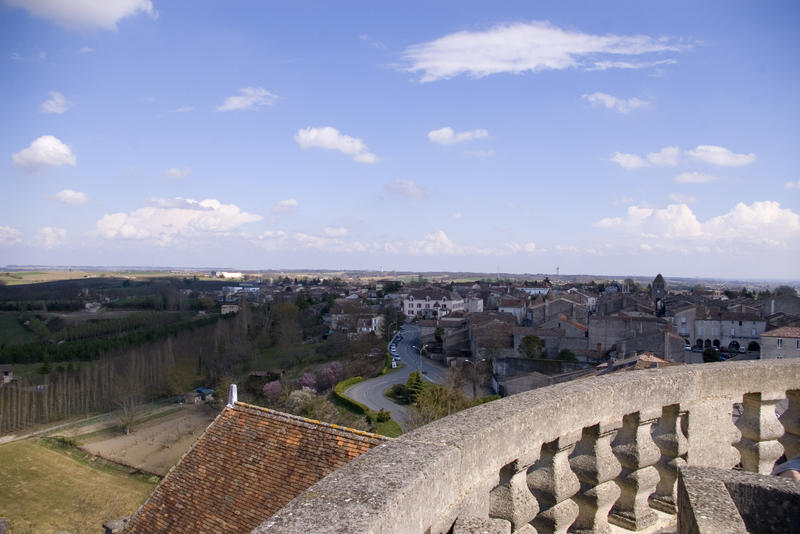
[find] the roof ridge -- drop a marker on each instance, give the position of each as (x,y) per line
(362,433)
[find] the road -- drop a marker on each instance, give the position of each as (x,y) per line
(370,392)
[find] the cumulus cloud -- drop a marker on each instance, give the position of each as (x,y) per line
(528,47)
(667,156)
(759,224)
(792,185)
(178,172)
(183,109)
(447,136)
(695,178)
(330,138)
(622,105)
(285,206)
(86,13)
(164,220)
(55,104)
(406,188)
(335,231)
(68,196)
(50,236)
(248,98)
(9,235)
(46,151)
(629,161)
(717,155)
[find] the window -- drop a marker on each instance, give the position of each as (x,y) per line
(798,343)
(733,331)
(702,330)
(752,331)
(713,331)
(780,343)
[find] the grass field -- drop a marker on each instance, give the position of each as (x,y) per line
(12,332)
(43,490)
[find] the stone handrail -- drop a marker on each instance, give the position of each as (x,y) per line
(574,456)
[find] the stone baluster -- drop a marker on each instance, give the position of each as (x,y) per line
(712,433)
(552,482)
(596,467)
(512,500)
(637,452)
(791,425)
(760,429)
(670,437)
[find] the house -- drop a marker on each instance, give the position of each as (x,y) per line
(225,309)
(248,464)
(6,373)
(432,302)
(782,342)
(225,274)
(514,306)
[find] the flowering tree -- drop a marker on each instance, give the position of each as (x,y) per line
(307,381)
(272,390)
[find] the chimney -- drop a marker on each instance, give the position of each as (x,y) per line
(233,396)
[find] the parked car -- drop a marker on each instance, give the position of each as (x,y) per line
(688,347)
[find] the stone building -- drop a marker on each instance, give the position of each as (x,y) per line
(782,342)
(432,302)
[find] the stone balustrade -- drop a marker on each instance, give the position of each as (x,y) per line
(574,457)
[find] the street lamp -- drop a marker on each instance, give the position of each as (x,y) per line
(474,376)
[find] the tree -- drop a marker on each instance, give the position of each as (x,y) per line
(532,346)
(128,391)
(414,385)
(785,291)
(567,355)
(710,354)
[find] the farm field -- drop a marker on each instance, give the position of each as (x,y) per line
(12,332)
(43,490)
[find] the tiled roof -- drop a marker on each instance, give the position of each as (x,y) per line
(784,331)
(248,464)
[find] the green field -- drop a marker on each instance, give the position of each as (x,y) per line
(12,332)
(43,490)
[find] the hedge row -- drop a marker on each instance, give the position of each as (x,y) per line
(339,390)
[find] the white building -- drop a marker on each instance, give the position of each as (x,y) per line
(226,274)
(782,342)
(432,302)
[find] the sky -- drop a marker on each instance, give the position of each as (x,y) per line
(594,137)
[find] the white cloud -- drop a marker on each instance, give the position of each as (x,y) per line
(527,47)
(183,109)
(166,219)
(605,65)
(629,161)
(55,104)
(682,199)
(406,188)
(248,98)
(50,236)
(86,50)
(695,178)
(178,172)
(667,156)
(16,56)
(46,151)
(86,13)
(68,196)
(271,240)
(621,105)
(792,185)
(9,235)
(330,138)
(529,247)
(717,155)
(457,215)
(335,231)
(676,226)
(285,206)
(447,136)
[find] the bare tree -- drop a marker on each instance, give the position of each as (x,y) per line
(128,391)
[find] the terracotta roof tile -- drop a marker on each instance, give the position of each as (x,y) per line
(249,463)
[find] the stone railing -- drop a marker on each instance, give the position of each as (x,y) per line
(574,457)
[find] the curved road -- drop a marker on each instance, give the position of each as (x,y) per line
(370,392)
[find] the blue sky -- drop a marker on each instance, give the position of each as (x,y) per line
(618,137)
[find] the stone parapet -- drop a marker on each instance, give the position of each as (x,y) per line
(548,460)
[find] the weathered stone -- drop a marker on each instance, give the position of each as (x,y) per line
(552,482)
(721,501)
(637,452)
(791,425)
(476,525)
(115,526)
(760,429)
(596,467)
(417,483)
(512,500)
(670,438)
